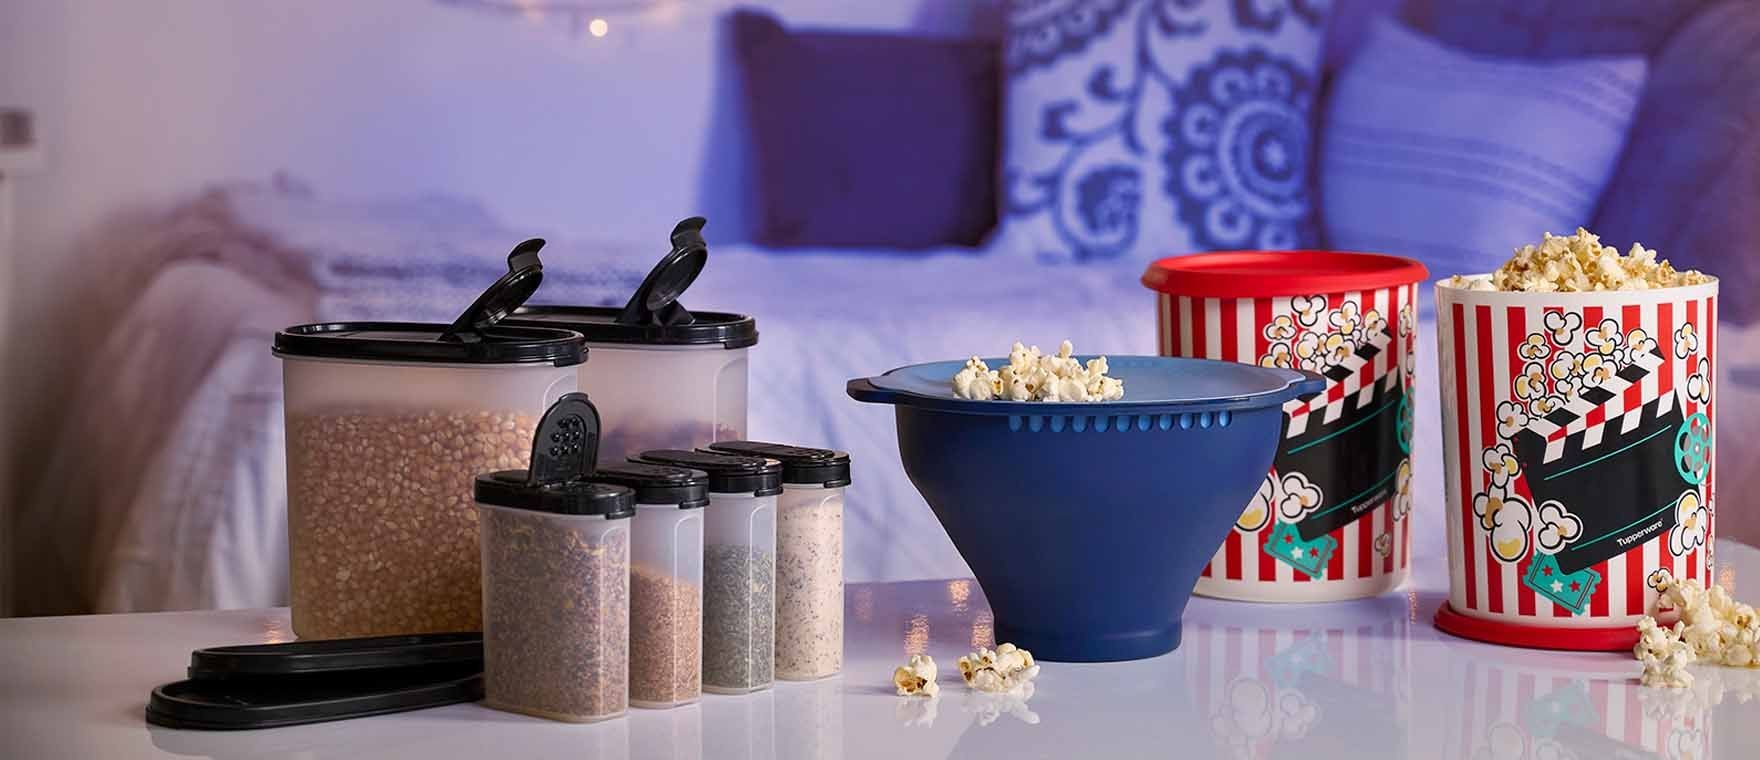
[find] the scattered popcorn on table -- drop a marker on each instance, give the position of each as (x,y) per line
(1580,263)
(1713,628)
(1032,375)
(916,677)
(1004,669)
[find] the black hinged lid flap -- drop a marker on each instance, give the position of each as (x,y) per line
(524,273)
(727,473)
(476,337)
(335,655)
(653,315)
(800,465)
(563,452)
(658,483)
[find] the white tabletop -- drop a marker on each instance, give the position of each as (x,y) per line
(1368,679)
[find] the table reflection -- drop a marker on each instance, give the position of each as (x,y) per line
(1528,705)
(809,719)
(1303,681)
(672,734)
(743,727)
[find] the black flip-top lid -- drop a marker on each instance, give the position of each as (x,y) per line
(243,703)
(563,452)
(727,473)
(421,343)
(336,655)
(658,483)
(476,337)
(653,315)
(800,465)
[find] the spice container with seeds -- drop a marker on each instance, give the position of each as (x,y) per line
(387,424)
(809,556)
(665,377)
(556,550)
(739,567)
(666,581)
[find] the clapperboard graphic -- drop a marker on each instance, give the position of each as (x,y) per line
(1617,476)
(1350,447)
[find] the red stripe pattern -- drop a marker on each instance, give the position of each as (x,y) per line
(1373,553)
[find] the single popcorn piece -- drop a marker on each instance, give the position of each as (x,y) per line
(1580,263)
(917,677)
(1004,669)
(1033,375)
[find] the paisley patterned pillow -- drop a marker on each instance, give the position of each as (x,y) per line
(1134,129)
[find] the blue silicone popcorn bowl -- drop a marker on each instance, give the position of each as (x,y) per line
(1087,524)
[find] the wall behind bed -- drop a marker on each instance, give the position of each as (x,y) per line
(145,106)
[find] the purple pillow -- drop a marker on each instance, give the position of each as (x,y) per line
(870,140)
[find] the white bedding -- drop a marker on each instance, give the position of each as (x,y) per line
(823,318)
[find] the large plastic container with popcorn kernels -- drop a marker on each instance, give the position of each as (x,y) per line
(1578,430)
(556,550)
(1332,518)
(809,556)
(666,581)
(387,424)
(739,567)
(665,377)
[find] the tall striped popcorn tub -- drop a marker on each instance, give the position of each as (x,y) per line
(1330,521)
(1578,430)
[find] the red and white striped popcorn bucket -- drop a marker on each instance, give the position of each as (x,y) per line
(1331,519)
(1578,430)
(1544,709)
(1297,683)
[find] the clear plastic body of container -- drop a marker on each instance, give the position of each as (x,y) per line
(556,612)
(739,594)
(380,455)
(665,397)
(809,582)
(666,605)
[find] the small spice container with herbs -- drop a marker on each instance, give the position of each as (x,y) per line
(739,567)
(555,581)
(387,425)
(666,581)
(809,556)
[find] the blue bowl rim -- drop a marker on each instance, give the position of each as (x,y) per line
(1295,383)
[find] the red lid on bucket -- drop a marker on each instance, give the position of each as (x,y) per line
(1252,274)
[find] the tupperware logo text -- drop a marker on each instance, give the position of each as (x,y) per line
(1643,534)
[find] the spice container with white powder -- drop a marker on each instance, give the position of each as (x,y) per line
(556,554)
(387,425)
(809,556)
(666,581)
(664,376)
(739,567)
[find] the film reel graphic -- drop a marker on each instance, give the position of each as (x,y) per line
(1692,449)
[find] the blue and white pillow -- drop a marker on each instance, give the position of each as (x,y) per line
(1135,129)
(1456,158)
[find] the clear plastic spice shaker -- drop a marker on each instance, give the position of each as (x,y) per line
(666,581)
(809,556)
(555,562)
(739,567)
